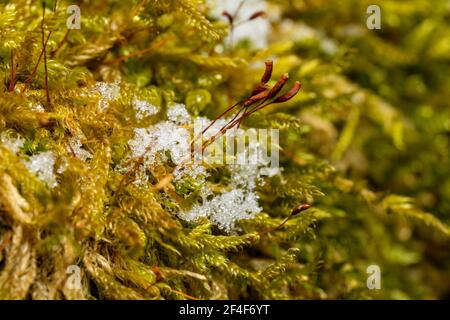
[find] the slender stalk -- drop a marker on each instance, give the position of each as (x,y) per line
(214,121)
(12,82)
(33,73)
(294,212)
(45,54)
(222,130)
(61,44)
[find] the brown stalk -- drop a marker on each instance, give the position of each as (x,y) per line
(214,121)
(12,82)
(183,294)
(45,54)
(232,22)
(222,130)
(241,4)
(33,73)
(61,44)
(295,211)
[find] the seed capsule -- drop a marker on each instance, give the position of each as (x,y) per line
(268,72)
(300,208)
(228,16)
(278,86)
(289,95)
(257,15)
(255,98)
(260,88)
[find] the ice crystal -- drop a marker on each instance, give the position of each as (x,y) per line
(177,113)
(229,207)
(158,140)
(12,143)
(144,109)
(244,176)
(202,123)
(108,92)
(225,209)
(195,171)
(75,146)
(42,166)
(161,142)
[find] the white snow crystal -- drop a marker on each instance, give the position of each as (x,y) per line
(155,144)
(202,123)
(177,113)
(225,209)
(194,170)
(12,143)
(108,92)
(244,176)
(144,109)
(42,166)
(75,146)
(159,139)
